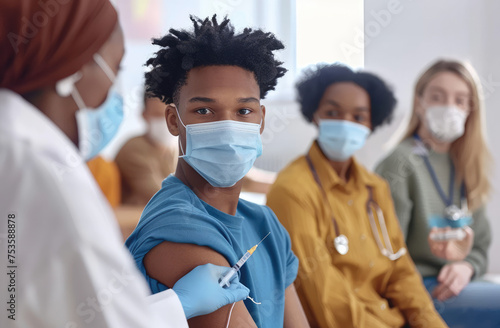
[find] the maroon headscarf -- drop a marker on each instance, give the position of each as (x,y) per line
(43,41)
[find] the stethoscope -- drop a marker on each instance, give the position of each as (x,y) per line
(341,243)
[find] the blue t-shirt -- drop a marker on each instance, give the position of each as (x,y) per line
(176,214)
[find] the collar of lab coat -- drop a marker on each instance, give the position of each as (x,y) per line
(21,121)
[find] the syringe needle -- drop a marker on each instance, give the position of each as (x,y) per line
(224,281)
(263,238)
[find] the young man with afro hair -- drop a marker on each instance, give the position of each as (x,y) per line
(211,80)
(354,270)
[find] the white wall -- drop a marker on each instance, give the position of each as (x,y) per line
(420,32)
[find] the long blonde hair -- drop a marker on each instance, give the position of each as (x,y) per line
(470,153)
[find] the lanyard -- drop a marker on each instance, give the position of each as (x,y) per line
(454,216)
(448,201)
(451,187)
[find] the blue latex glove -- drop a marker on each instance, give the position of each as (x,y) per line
(200,293)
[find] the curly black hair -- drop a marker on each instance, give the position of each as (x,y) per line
(318,78)
(212,44)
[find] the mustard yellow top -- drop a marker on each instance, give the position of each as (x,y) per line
(362,288)
(107,176)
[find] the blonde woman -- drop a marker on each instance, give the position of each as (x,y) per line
(438,176)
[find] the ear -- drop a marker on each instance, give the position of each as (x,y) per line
(263,110)
(172,119)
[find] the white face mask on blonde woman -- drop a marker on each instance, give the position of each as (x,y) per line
(446,103)
(446,123)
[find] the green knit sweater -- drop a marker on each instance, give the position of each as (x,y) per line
(416,199)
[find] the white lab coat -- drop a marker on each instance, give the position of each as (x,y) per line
(71,267)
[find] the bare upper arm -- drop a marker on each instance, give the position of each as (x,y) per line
(294,313)
(168,262)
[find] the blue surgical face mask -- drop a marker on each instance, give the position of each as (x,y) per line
(96,127)
(340,139)
(222,152)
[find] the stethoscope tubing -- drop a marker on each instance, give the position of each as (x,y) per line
(385,250)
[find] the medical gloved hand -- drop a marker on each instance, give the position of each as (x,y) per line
(200,293)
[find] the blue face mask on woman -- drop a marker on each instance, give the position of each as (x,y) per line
(340,139)
(96,127)
(222,152)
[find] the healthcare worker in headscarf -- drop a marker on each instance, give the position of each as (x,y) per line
(62,261)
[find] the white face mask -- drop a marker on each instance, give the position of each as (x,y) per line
(446,123)
(159,134)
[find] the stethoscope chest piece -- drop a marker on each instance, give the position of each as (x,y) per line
(341,244)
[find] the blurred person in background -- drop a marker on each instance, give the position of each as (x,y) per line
(354,270)
(68,266)
(144,161)
(439,179)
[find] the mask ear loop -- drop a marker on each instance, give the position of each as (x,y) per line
(262,117)
(105,67)
(179,116)
(77,98)
(67,86)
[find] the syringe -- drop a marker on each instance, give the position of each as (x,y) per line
(224,281)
